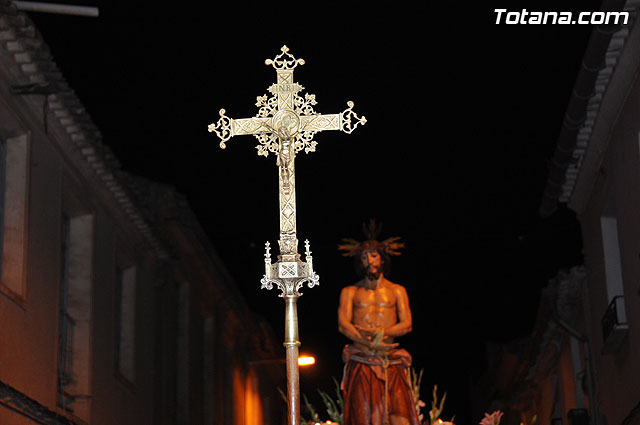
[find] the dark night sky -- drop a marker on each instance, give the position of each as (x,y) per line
(463,116)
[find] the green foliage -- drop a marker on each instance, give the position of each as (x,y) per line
(436,410)
(286,402)
(334,407)
(416,382)
(314,415)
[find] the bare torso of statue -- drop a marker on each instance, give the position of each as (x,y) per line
(375,308)
(374,311)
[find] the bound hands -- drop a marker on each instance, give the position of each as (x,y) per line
(372,340)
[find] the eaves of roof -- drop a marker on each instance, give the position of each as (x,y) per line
(23,405)
(34,72)
(576,137)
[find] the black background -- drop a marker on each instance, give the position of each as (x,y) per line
(463,116)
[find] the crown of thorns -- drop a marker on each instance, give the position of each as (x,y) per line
(352,247)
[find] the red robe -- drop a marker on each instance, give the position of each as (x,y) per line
(363,385)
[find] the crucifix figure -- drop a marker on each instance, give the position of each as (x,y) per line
(286,124)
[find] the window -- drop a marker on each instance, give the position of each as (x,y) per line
(66,323)
(14,171)
(208,360)
(183,355)
(612,264)
(125,313)
(75,317)
(614,321)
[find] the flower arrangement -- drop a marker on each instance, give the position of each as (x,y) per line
(334,406)
(492,419)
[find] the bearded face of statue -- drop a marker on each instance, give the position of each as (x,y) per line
(371,263)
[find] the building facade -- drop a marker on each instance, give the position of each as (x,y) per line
(114,306)
(581,363)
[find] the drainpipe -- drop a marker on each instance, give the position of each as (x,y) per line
(592,393)
(64,9)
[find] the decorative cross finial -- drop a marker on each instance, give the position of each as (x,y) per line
(284,60)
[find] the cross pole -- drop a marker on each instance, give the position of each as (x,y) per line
(286,124)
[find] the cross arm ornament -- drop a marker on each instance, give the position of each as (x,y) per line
(285,109)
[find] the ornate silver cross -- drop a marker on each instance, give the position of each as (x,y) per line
(286,124)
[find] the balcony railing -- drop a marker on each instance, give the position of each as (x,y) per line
(614,325)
